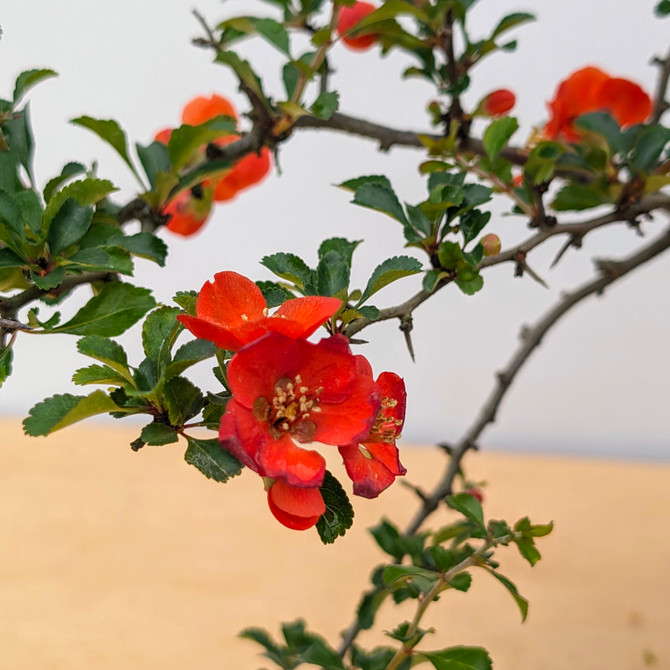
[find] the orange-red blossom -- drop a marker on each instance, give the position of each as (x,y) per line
(591,90)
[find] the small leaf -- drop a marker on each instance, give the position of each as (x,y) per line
(389,271)
(186,300)
(246,74)
(394,573)
(274,33)
(189,354)
(450,255)
(186,140)
(459,658)
(111,132)
(468,506)
(578,197)
(214,462)
(521,602)
(97,374)
(603,124)
(117,307)
(649,145)
(291,268)
(325,105)
(274,293)
(157,434)
(6,357)
(63,410)
(50,280)
(159,332)
(468,279)
(498,134)
(144,245)
(68,226)
(272,650)
(321,654)
(69,170)
(85,191)
(511,21)
(355,184)
(26,80)
(182,399)
(381,199)
(332,274)
(339,514)
(154,159)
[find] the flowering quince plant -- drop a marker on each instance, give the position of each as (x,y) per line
(291,390)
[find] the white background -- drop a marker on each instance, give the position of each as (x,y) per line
(600,381)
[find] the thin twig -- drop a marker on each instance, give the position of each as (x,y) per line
(660,103)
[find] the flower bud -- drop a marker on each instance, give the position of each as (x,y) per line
(498,102)
(491,244)
(349,17)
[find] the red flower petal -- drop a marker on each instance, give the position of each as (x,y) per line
(498,102)
(230,300)
(295,508)
(284,459)
(309,312)
(242,435)
(369,475)
(202,109)
(625,101)
(222,337)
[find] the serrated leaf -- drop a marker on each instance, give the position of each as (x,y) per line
(459,658)
(85,191)
(395,573)
(521,602)
(8,259)
(111,132)
(69,170)
(381,199)
(182,399)
(211,459)
(186,300)
(332,274)
(498,134)
(154,159)
(274,293)
(157,434)
(51,280)
(63,410)
(339,514)
(355,184)
(98,259)
(472,223)
(603,124)
(274,33)
(325,105)
(272,650)
(649,145)
(291,268)
(389,271)
(144,245)
(97,374)
(6,357)
(321,654)
(26,80)
(68,226)
(159,332)
(117,307)
(468,506)
(578,197)
(189,354)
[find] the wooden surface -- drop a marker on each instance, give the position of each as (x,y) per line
(111,559)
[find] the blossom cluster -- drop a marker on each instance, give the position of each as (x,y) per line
(188,210)
(288,393)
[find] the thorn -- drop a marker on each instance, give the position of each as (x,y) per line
(535,276)
(406,326)
(416,490)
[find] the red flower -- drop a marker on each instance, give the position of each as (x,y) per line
(349,18)
(189,210)
(295,507)
(590,90)
(232,312)
(498,102)
(289,392)
(374,464)
(203,109)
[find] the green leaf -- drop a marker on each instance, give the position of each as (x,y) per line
(472,223)
(577,197)
(189,354)
(159,332)
(468,506)
(97,374)
(450,255)
(662,9)
(85,191)
(541,161)
(389,271)
(603,124)
(387,537)
(154,158)
(459,658)
(50,280)
(468,279)
(111,132)
(272,650)
(69,170)
(648,147)
(94,259)
(368,607)
(274,33)
(325,105)
(395,573)
(381,199)
(498,134)
(521,602)
(186,300)
(26,80)
(19,136)
(183,400)
(157,434)
(339,514)
(321,654)
(186,140)
(274,293)
(355,184)
(6,357)
(117,307)
(511,21)
(291,268)
(332,274)
(212,460)
(461,582)
(144,245)
(68,226)
(63,410)
(245,74)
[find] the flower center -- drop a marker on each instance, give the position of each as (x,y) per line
(290,409)
(386,427)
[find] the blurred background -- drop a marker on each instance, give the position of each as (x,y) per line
(600,382)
